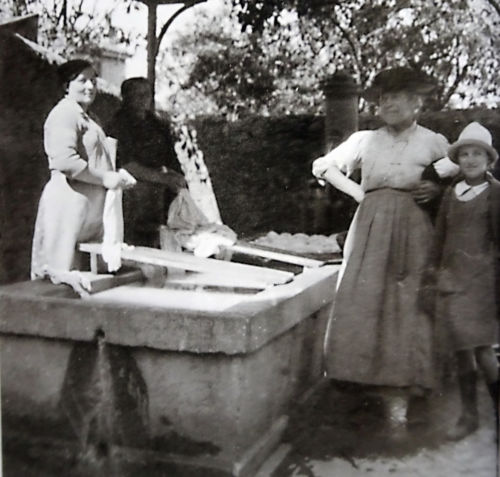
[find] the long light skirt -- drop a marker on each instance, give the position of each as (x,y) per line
(377,335)
(67,213)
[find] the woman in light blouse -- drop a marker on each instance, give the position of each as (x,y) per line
(81,167)
(377,334)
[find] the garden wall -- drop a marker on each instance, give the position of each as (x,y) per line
(29,89)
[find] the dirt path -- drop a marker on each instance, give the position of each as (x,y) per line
(342,433)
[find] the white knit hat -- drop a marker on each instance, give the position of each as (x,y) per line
(476,135)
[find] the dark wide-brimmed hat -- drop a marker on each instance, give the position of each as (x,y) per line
(71,69)
(399,79)
(474,134)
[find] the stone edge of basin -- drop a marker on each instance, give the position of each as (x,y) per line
(26,309)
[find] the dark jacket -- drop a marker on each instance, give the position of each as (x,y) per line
(432,207)
(149,143)
(440,232)
(146,141)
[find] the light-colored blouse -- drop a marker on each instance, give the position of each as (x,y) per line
(70,210)
(387,159)
(72,139)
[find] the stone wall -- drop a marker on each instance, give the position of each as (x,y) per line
(29,91)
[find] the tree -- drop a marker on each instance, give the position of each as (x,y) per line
(284,48)
(215,68)
(74,26)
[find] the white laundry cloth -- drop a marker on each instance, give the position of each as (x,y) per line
(205,244)
(112,240)
(74,278)
(112,219)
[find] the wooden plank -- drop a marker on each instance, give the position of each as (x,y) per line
(43,287)
(199,264)
(274,254)
(101,282)
(215,281)
(189,262)
(237,257)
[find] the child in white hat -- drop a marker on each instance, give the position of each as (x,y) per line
(465,257)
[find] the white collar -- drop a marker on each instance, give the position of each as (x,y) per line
(462,189)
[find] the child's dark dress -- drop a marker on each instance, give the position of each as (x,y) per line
(466,280)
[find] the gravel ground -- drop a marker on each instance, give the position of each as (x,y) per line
(342,433)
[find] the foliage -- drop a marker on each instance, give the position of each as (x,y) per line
(270,56)
(216,69)
(73,26)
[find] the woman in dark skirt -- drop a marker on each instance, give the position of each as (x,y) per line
(377,334)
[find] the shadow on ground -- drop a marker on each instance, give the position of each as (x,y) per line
(345,421)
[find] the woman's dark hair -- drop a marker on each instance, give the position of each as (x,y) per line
(129,86)
(70,70)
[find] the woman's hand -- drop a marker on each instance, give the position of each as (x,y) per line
(358,195)
(118,180)
(127,180)
(425,191)
(111,180)
(335,177)
(174,181)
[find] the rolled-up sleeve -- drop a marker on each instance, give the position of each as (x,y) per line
(346,156)
(442,164)
(62,136)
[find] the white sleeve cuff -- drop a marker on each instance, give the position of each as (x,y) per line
(445,167)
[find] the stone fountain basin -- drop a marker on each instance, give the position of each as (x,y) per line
(221,370)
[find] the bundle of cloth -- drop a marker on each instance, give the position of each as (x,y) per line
(192,231)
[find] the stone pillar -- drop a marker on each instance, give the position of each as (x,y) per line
(332,210)
(341,108)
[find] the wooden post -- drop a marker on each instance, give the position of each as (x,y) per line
(152,17)
(153,39)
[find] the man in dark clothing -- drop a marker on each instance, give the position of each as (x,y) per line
(146,149)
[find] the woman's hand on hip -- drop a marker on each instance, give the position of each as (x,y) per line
(425,191)
(358,195)
(335,177)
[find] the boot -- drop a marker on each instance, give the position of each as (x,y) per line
(493,390)
(468,421)
(418,411)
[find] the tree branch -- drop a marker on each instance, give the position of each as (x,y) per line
(169,22)
(459,76)
(495,5)
(350,42)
